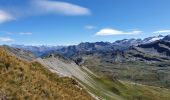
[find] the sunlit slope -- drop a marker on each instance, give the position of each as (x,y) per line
(22,80)
(82,75)
(104,87)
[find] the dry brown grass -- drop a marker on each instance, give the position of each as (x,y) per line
(31,81)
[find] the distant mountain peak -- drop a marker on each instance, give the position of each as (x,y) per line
(153,38)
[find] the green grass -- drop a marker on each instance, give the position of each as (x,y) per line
(111,89)
(155,74)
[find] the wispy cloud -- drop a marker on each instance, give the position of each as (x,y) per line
(5,39)
(25,33)
(16,33)
(58,7)
(41,7)
(110,31)
(162,31)
(4,16)
(90,27)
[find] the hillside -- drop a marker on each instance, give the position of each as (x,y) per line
(145,64)
(105,73)
(23,80)
(103,86)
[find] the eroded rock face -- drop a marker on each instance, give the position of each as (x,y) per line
(158,51)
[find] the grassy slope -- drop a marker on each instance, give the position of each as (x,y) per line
(106,87)
(24,80)
(112,89)
(157,74)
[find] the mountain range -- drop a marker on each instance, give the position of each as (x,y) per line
(128,69)
(91,47)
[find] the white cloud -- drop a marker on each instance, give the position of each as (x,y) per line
(65,8)
(25,33)
(5,39)
(4,16)
(15,33)
(110,31)
(41,7)
(162,31)
(90,27)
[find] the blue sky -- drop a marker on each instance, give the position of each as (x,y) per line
(64,22)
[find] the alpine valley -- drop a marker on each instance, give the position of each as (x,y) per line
(128,69)
(84,49)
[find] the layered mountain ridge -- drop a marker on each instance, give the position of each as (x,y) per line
(91,47)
